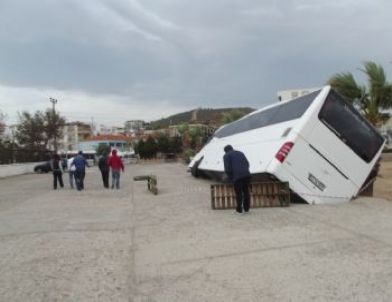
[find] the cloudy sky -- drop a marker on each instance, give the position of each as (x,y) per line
(115,60)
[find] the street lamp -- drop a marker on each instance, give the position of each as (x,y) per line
(54,102)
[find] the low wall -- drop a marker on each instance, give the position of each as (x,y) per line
(16,169)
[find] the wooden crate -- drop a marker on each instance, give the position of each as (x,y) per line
(262,194)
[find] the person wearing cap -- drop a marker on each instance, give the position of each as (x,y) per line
(116,165)
(237,170)
(80,164)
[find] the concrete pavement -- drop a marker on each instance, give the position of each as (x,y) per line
(130,245)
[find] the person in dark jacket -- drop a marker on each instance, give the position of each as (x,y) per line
(80,164)
(57,169)
(116,164)
(104,168)
(237,169)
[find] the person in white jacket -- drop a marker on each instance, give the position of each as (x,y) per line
(71,170)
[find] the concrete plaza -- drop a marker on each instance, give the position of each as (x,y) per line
(130,245)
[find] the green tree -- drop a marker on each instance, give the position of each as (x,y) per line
(146,149)
(163,143)
(195,136)
(30,131)
(53,124)
(150,147)
(36,131)
(372,98)
(2,124)
(231,116)
(183,128)
(175,144)
(140,148)
(102,149)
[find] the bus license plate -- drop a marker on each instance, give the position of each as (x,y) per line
(314,180)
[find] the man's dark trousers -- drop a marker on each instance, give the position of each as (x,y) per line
(241,188)
(105,178)
(57,175)
(79,179)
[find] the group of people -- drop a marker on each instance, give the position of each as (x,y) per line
(236,167)
(77,170)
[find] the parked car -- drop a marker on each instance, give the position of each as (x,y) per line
(46,168)
(43,168)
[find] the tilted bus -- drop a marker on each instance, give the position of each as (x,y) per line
(318,143)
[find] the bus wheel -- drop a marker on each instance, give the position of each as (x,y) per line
(195,168)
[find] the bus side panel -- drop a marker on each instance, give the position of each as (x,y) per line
(259,146)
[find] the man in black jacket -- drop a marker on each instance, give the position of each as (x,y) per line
(104,168)
(237,169)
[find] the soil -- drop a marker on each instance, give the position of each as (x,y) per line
(383,185)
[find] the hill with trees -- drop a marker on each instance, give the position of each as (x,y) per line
(207,116)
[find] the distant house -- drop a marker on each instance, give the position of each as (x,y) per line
(285,95)
(134,126)
(109,130)
(73,133)
(118,142)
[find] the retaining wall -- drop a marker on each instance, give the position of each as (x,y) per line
(16,169)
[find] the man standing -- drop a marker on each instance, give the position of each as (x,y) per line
(237,169)
(80,164)
(57,169)
(104,168)
(116,164)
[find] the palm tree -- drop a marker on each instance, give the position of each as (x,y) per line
(371,99)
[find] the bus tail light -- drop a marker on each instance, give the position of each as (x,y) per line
(284,151)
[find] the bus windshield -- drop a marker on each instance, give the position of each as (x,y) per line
(350,126)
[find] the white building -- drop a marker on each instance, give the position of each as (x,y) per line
(73,133)
(285,95)
(109,130)
(134,125)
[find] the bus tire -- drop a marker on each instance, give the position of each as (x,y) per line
(195,168)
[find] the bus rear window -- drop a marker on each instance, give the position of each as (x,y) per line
(350,126)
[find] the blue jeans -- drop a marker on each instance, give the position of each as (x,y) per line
(79,179)
(71,178)
(116,179)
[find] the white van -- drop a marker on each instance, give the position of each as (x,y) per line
(318,143)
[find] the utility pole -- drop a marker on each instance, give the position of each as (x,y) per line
(92,126)
(54,102)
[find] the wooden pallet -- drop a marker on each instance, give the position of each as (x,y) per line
(262,194)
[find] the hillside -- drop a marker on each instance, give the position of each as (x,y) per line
(206,116)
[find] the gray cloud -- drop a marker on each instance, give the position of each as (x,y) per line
(188,53)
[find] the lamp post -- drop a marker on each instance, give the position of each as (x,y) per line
(54,102)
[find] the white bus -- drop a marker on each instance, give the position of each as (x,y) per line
(318,143)
(89,155)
